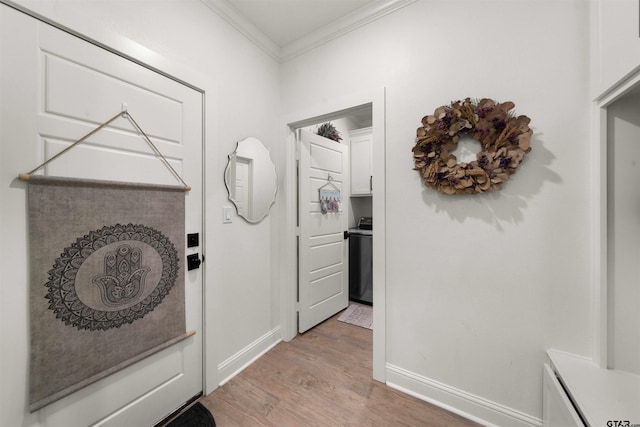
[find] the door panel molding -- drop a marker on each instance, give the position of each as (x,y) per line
(322,285)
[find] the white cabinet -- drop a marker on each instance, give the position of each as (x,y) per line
(578,392)
(361,162)
(557,409)
(615,42)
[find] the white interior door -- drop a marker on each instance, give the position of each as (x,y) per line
(56,89)
(323,282)
(242,198)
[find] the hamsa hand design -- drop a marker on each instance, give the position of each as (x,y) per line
(124,276)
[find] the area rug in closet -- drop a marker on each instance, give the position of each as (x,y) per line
(359,315)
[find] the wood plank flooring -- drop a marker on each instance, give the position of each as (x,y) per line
(320,378)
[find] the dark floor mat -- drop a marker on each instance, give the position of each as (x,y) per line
(196,416)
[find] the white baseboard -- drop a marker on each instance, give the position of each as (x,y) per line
(245,357)
(467,405)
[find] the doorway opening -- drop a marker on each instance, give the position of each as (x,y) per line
(622,199)
(360,110)
(325,184)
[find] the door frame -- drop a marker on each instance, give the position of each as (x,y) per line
(140,55)
(600,175)
(331,109)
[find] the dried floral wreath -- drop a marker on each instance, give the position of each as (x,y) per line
(504,137)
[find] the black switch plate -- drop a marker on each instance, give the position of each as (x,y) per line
(193,262)
(193,239)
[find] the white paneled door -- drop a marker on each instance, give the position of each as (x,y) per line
(56,88)
(323,286)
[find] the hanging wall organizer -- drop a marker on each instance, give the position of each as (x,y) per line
(329,195)
(107,275)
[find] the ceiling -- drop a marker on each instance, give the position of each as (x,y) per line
(287,28)
(285,21)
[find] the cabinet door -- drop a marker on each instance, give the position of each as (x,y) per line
(361,162)
(557,410)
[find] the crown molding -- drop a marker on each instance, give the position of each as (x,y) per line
(244,26)
(342,26)
(324,35)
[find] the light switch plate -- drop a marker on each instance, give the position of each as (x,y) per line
(227,211)
(193,240)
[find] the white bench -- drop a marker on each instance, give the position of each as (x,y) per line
(577,392)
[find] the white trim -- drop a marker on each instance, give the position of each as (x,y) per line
(379,188)
(289,230)
(245,357)
(331,109)
(238,21)
(619,89)
(330,32)
(602,99)
(344,25)
(595,41)
(599,234)
(459,402)
(599,212)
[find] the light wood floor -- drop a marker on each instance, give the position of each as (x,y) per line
(320,378)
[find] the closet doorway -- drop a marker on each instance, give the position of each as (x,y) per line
(623,226)
(333,110)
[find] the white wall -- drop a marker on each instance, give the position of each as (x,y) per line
(478,287)
(615,50)
(187,39)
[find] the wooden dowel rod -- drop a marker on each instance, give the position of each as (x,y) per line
(26,177)
(191,333)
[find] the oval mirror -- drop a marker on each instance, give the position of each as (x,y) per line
(251,180)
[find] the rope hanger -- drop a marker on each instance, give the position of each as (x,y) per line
(124,114)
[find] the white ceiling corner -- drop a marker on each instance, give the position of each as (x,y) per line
(285,29)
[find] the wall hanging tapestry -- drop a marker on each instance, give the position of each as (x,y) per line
(504,137)
(107,281)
